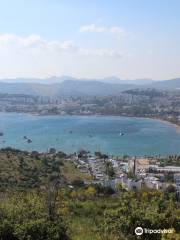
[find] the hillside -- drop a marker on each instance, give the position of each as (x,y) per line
(29,170)
(167,85)
(67,86)
(34,207)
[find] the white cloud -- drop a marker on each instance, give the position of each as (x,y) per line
(116,30)
(34,56)
(102,29)
(35,42)
(7,40)
(101,52)
(92,28)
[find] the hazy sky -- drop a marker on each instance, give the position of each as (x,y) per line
(90,38)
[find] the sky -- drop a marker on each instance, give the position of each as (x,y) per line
(130,39)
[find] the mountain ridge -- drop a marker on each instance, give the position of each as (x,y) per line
(68,86)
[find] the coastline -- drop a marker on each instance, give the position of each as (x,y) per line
(168,122)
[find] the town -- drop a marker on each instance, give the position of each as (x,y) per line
(151,103)
(131,173)
(124,172)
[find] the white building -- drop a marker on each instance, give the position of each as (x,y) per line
(153,183)
(177,179)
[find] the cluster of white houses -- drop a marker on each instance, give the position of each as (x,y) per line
(134,173)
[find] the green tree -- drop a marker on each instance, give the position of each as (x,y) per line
(24,216)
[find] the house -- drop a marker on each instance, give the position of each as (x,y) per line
(153,182)
(134,184)
(113,183)
(168,169)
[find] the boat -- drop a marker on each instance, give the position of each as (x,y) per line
(1,134)
(29,141)
(121,134)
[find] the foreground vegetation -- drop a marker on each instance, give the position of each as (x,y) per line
(86,214)
(54,204)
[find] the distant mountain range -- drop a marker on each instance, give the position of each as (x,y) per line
(68,86)
(61,79)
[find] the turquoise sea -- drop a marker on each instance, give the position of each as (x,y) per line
(93,133)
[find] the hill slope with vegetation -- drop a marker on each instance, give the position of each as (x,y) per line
(37,203)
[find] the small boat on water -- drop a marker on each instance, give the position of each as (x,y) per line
(29,141)
(1,134)
(121,134)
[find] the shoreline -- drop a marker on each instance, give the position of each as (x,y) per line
(168,122)
(68,155)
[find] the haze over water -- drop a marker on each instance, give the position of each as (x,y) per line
(93,133)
